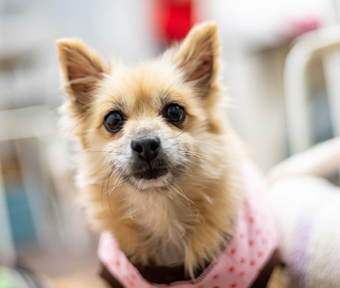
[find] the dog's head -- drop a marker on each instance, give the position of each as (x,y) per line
(145,118)
(151,132)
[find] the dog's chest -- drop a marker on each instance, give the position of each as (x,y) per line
(164,227)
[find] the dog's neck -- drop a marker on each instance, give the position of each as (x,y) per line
(163,226)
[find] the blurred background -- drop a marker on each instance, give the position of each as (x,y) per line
(279,105)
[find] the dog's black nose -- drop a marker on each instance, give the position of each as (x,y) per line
(146,147)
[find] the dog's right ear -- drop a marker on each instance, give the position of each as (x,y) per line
(82,69)
(198,55)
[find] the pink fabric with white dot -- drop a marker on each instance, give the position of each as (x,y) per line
(239,263)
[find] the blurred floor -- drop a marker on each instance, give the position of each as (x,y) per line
(63,268)
(59,262)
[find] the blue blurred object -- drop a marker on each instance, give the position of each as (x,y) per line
(321,120)
(20,215)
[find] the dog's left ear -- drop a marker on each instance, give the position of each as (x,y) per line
(198,55)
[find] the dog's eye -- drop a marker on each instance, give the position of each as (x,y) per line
(113,121)
(174,113)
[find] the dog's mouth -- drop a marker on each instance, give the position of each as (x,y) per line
(152,178)
(150,174)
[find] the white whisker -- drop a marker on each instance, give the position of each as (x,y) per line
(185,197)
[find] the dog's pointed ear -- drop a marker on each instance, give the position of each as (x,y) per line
(198,55)
(82,69)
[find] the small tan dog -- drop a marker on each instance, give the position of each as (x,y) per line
(160,168)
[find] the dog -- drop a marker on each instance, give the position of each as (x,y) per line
(162,174)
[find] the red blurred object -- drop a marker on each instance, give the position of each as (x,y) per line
(303,25)
(173,18)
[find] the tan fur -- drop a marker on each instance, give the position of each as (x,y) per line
(189,221)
